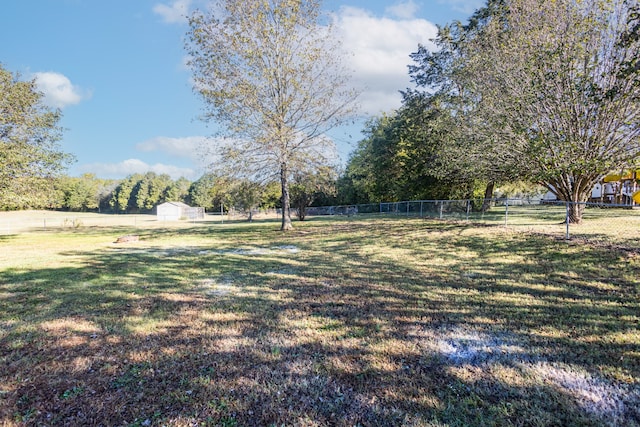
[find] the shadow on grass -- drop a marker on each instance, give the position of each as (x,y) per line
(338,323)
(7,237)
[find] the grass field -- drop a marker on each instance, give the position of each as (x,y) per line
(346,322)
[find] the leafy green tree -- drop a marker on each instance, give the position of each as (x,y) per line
(306,188)
(399,158)
(141,193)
(211,192)
(80,194)
(246,196)
(271,195)
(215,192)
(459,154)
(202,191)
(178,190)
(121,199)
(30,156)
(105,194)
(150,190)
(271,75)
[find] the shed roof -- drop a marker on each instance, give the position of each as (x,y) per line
(178,204)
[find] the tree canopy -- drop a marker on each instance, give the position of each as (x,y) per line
(405,156)
(309,186)
(142,192)
(270,74)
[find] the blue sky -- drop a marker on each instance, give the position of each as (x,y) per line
(117,70)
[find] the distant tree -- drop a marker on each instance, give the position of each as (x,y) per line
(202,191)
(80,194)
(105,194)
(211,192)
(398,159)
(30,156)
(271,195)
(271,75)
(121,199)
(178,191)
(246,196)
(150,190)
(142,193)
(306,188)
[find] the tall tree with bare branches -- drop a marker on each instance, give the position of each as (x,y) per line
(270,74)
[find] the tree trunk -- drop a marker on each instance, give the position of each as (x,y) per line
(572,190)
(286,206)
(302,211)
(488,196)
(575,212)
(576,202)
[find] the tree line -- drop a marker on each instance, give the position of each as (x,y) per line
(141,193)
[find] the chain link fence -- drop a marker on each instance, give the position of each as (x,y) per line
(26,221)
(608,224)
(16,222)
(603,223)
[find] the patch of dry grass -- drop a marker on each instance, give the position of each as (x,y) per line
(355,322)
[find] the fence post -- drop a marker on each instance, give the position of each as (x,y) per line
(421,203)
(468,208)
(441,207)
(566,236)
(506,211)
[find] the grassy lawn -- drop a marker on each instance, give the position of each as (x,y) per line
(370,322)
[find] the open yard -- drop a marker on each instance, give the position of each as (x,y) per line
(346,322)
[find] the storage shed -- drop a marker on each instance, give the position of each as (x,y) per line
(174,211)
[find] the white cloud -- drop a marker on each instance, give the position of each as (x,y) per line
(404,10)
(381,48)
(174,13)
(58,90)
(131,166)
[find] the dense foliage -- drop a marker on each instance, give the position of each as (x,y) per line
(140,193)
(400,158)
(311,187)
(86,193)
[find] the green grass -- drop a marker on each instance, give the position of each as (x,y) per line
(381,321)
